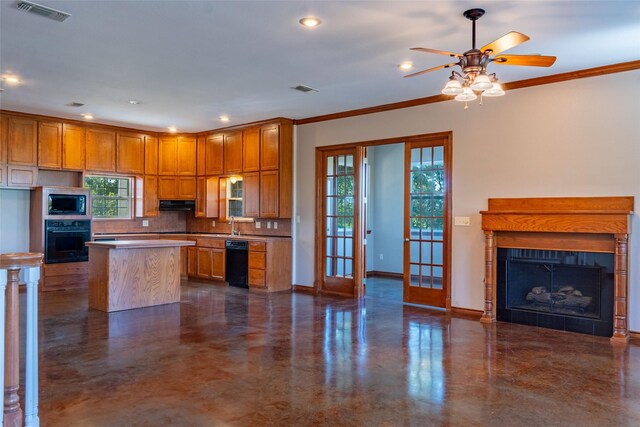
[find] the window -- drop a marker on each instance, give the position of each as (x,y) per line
(234,197)
(111,196)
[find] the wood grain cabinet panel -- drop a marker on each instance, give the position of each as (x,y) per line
(186,156)
(251,150)
(269,194)
(50,145)
(22,176)
(204,264)
(251,195)
(4,129)
(256,278)
(187,188)
(150,155)
(201,169)
(100,150)
(3,175)
(192,261)
(150,196)
(232,156)
(257,260)
(176,188)
(217,263)
(214,149)
(22,141)
(73,147)
(168,155)
(269,148)
(130,154)
(207,200)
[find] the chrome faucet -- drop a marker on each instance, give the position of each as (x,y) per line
(233,227)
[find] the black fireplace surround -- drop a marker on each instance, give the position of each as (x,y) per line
(565,290)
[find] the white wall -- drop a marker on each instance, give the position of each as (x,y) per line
(387,203)
(14,221)
(575,138)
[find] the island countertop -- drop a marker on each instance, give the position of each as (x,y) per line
(140,244)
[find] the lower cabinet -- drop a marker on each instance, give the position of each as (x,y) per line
(207,259)
(257,264)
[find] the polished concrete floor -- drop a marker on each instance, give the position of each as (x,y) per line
(228,357)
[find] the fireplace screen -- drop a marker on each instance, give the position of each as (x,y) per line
(556,282)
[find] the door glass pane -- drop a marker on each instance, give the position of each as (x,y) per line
(348,247)
(341,165)
(329,270)
(414,251)
(426,156)
(330,247)
(330,161)
(438,155)
(426,276)
(340,270)
(415,158)
(437,277)
(348,267)
(426,253)
(415,274)
(331,186)
(437,253)
(339,246)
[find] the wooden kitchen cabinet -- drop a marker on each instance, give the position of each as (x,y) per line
(201,169)
(232,156)
(50,145)
(186,156)
(251,150)
(251,195)
(3,175)
(269,184)
(192,261)
(257,264)
(22,176)
(168,155)
(269,147)
(207,201)
(151,155)
(208,259)
(100,150)
(130,153)
(150,196)
(214,149)
(4,129)
(22,141)
(73,147)
(176,187)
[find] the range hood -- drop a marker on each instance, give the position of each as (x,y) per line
(177,205)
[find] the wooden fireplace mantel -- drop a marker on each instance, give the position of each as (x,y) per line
(592,224)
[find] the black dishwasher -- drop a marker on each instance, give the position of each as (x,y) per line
(237,263)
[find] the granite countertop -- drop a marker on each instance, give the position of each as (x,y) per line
(140,244)
(185,234)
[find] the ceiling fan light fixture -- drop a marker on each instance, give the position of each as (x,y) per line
(481,82)
(496,90)
(466,95)
(453,87)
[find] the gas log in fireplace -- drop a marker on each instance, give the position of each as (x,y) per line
(559,263)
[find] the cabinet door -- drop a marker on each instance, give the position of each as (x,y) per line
(50,145)
(201,196)
(73,147)
(168,155)
(100,150)
(187,155)
(214,154)
(167,187)
(4,129)
(22,141)
(150,196)
(217,263)
(251,195)
(270,148)
(251,150)
(186,188)
(22,176)
(130,158)
(3,175)
(269,194)
(201,169)
(192,261)
(150,155)
(204,265)
(233,153)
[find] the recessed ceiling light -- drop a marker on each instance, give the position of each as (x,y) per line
(87,116)
(310,21)
(224,118)
(172,129)
(10,79)
(134,102)
(74,104)
(406,65)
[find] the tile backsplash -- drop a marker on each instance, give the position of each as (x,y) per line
(205,225)
(166,221)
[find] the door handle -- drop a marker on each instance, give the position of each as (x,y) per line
(406,239)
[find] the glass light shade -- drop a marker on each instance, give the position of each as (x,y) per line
(466,95)
(453,87)
(496,90)
(481,82)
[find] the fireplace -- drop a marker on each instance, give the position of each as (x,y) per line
(559,263)
(566,290)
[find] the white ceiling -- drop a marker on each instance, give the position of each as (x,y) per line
(191,61)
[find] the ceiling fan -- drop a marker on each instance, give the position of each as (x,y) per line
(474,63)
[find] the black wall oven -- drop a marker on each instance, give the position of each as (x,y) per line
(65,241)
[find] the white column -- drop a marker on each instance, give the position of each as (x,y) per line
(3,287)
(31,277)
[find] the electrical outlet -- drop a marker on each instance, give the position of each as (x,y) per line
(275,225)
(268,224)
(258,225)
(298,219)
(462,220)
(381,257)
(145,222)
(213,223)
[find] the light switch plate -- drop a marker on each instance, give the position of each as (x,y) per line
(275,225)
(213,223)
(145,222)
(268,224)
(462,220)
(258,224)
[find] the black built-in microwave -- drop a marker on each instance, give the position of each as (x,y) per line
(67,204)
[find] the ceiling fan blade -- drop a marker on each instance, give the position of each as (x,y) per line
(530,60)
(505,42)
(439,67)
(439,52)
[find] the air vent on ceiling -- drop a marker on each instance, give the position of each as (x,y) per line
(74,104)
(305,89)
(45,11)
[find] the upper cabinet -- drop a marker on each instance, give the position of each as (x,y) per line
(151,155)
(73,146)
(269,147)
(100,150)
(22,141)
(130,154)
(50,145)
(186,155)
(177,155)
(251,150)
(214,154)
(233,153)
(4,128)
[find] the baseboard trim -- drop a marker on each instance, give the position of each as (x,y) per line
(303,289)
(376,273)
(467,312)
(634,336)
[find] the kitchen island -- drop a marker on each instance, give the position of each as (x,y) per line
(129,274)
